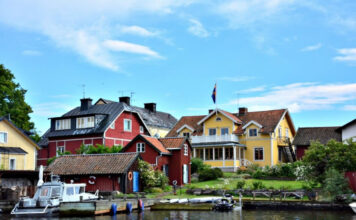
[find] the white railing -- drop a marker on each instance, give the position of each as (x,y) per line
(214,138)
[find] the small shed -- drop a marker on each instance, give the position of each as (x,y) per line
(103,172)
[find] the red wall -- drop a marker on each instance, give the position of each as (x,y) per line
(351,176)
(176,166)
(301,151)
(149,155)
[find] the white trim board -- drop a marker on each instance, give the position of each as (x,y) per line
(185,126)
(213,112)
(252,122)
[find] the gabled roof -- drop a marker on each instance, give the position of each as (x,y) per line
(346,125)
(252,122)
(322,134)
(151,141)
(191,121)
(185,126)
(21,131)
(109,112)
(12,150)
(225,113)
(173,142)
(79,164)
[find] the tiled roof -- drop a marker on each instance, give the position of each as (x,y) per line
(79,164)
(191,121)
(268,119)
(322,134)
(12,150)
(175,142)
(156,143)
(231,115)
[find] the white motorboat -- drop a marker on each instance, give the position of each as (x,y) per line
(49,195)
(353,206)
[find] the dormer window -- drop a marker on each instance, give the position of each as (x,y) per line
(218,119)
(85,122)
(63,124)
(252,132)
(186,134)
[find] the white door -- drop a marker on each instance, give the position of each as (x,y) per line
(185,173)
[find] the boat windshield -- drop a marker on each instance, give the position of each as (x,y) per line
(79,189)
(56,192)
(45,191)
(69,191)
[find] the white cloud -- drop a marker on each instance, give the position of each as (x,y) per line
(312,47)
(123,46)
(346,55)
(137,30)
(301,96)
(250,90)
(31,53)
(237,78)
(196,28)
(50,109)
(349,108)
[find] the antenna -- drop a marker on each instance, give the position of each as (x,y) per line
(83,90)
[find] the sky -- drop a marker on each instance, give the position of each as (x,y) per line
(262,54)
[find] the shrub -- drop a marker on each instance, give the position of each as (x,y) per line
(335,184)
(240,184)
(252,168)
(257,174)
(154,190)
(208,174)
(217,172)
(198,165)
(244,176)
(257,185)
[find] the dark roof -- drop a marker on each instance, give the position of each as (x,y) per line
(44,139)
(79,164)
(25,133)
(191,121)
(12,150)
(322,134)
(346,125)
(156,119)
(109,112)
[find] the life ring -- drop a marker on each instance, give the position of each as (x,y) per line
(92,180)
(129,176)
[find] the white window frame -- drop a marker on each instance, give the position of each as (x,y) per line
(287,133)
(83,122)
(127,120)
(140,147)
(141,129)
(279,131)
(12,159)
(221,129)
(250,129)
(58,147)
(186,135)
(63,124)
(6,137)
(254,154)
(186,150)
(211,129)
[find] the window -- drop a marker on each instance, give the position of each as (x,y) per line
(280,152)
(279,131)
(287,132)
(186,149)
(252,132)
(127,124)
(70,191)
(59,150)
(85,122)
(209,154)
(186,134)
(229,153)
(3,137)
(112,126)
(218,153)
(212,131)
(63,124)
(218,119)
(12,164)
(45,191)
(141,129)
(199,153)
(258,153)
(224,131)
(56,192)
(140,147)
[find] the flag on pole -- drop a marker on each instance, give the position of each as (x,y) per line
(213,96)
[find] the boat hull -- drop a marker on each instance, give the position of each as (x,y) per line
(35,212)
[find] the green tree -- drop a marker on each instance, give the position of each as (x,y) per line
(335,184)
(98,149)
(12,100)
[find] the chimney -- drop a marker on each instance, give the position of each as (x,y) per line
(243,111)
(150,106)
(211,110)
(125,99)
(85,103)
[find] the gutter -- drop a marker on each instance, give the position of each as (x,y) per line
(160,155)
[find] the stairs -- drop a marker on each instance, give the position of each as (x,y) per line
(288,151)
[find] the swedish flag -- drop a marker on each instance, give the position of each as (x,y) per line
(213,96)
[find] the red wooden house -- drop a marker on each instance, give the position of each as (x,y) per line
(170,155)
(111,124)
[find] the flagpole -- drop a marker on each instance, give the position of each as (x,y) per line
(216,104)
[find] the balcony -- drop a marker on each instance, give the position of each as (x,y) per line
(214,138)
(283,141)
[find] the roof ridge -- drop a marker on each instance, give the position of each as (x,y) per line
(105,154)
(172,138)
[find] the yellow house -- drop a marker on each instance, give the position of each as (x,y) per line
(17,150)
(228,141)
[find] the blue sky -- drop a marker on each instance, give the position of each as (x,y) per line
(263,54)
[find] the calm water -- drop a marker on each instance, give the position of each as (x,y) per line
(210,215)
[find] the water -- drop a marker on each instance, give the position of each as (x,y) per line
(210,215)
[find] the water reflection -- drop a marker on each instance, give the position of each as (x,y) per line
(210,215)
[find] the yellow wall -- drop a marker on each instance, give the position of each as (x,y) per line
(212,123)
(155,130)
(284,124)
(184,130)
(16,139)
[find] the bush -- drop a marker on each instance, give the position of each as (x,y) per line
(217,172)
(335,184)
(257,185)
(198,165)
(244,176)
(154,190)
(252,168)
(257,174)
(151,178)
(240,184)
(209,174)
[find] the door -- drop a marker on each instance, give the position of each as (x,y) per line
(185,173)
(136,182)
